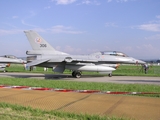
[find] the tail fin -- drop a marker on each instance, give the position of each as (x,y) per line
(37,42)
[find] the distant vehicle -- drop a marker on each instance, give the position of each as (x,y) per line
(6,60)
(46,56)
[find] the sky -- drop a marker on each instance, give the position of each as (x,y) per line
(82,26)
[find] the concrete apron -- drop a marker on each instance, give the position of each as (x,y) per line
(102,104)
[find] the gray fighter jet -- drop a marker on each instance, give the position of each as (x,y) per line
(6,60)
(46,56)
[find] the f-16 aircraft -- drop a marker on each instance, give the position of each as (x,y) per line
(46,56)
(6,60)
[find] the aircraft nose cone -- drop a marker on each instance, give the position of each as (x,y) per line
(140,62)
(137,61)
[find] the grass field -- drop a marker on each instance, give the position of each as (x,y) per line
(79,85)
(17,112)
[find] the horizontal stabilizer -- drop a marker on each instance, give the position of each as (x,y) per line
(37,62)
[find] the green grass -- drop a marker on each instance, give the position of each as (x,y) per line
(62,84)
(17,112)
(134,70)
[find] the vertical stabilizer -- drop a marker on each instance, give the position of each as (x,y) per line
(37,42)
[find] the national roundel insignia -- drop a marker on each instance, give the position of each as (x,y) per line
(38,40)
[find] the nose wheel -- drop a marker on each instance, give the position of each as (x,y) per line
(76,74)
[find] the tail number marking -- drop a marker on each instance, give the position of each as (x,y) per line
(43,45)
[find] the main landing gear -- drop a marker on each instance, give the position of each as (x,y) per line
(76,74)
(110,75)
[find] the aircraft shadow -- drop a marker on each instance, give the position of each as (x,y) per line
(45,76)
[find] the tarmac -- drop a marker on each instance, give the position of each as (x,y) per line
(87,78)
(126,106)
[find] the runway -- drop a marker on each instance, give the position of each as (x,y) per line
(87,78)
(135,107)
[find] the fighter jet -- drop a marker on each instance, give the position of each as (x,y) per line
(6,60)
(46,56)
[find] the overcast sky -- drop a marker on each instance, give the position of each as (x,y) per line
(82,26)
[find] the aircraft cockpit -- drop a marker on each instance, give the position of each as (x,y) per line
(114,53)
(10,56)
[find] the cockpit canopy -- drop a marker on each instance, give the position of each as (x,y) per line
(114,53)
(10,56)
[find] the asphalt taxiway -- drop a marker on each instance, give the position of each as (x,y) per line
(87,78)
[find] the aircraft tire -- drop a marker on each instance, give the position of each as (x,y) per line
(110,74)
(73,73)
(78,74)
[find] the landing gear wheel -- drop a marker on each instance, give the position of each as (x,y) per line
(5,71)
(73,73)
(110,74)
(76,74)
